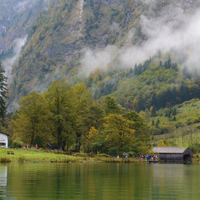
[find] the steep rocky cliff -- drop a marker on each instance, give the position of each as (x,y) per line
(71,38)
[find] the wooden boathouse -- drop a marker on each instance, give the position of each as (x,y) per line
(173,154)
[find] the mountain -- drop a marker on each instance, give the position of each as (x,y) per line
(115,47)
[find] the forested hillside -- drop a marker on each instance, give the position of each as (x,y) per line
(73,39)
(143,54)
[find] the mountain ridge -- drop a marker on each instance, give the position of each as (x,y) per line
(74,39)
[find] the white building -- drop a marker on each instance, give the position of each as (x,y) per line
(4,140)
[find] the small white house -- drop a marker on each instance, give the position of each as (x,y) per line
(4,140)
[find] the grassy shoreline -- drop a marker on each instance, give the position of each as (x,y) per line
(40,156)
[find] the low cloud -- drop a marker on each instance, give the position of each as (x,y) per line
(97,59)
(9,62)
(177,29)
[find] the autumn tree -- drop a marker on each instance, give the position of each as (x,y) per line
(82,103)
(31,120)
(60,103)
(111,106)
(90,137)
(119,131)
(142,142)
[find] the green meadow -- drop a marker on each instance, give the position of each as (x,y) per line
(42,156)
(180,129)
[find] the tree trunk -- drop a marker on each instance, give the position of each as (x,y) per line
(78,142)
(59,131)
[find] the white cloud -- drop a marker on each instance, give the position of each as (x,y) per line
(178,29)
(8,63)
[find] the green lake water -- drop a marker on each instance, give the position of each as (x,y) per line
(99,181)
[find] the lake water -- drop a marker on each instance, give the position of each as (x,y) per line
(99,181)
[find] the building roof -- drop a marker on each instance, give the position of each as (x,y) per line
(169,149)
(4,133)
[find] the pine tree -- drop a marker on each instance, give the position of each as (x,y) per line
(3,92)
(157,123)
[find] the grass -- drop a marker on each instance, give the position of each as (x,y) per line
(42,156)
(185,130)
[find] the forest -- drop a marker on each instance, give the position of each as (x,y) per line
(114,111)
(71,118)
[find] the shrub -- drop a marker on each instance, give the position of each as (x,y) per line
(112,151)
(4,160)
(21,159)
(17,144)
(131,154)
(126,148)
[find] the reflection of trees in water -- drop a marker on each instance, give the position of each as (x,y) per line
(100,181)
(175,180)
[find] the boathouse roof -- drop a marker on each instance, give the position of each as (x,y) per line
(169,149)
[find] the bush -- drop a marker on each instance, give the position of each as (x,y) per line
(126,148)
(103,155)
(21,159)
(131,154)
(112,151)
(38,140)
(4,160)
(98,147)
(17,144)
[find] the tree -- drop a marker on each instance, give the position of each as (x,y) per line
(152,111)
(142,141)
(161,143)
(82,104)
(157,123)
(93,133)
(3,93)
(31,120)
(111,106)
(119,131)
(60,102)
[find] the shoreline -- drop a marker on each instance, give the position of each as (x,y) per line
(33,155)
(43,156)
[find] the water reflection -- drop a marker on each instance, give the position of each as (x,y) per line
(3,181)
(99,181)
(3,175)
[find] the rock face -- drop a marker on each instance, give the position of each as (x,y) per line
(60,31)
(16,19)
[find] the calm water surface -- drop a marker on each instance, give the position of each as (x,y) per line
(99,181)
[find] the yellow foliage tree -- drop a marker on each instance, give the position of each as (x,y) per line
(161,143)
(32,118)
(119,131)
(93,133)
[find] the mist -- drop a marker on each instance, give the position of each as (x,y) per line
(21,6)
(9,62)
(176,27)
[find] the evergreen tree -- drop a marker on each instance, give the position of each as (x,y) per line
(3,92)
(174,112)
(111,106)
(157,123)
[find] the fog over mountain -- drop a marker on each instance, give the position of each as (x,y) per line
(45,40)
(175,28)
(8,63)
